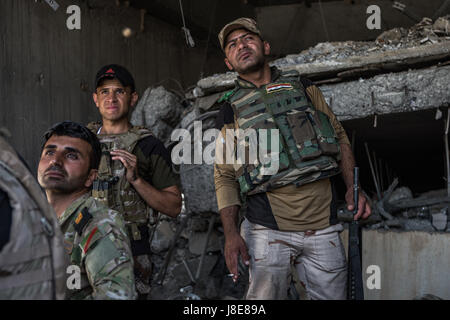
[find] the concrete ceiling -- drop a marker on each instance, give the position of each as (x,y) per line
(289,25)
(205,18)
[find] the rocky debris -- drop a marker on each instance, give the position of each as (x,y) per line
(439,219)
(441,26)
(197,241)
(400,193)
(426,212)
(160,110)
(424,31)
(180,281)
(387,93)
(198,184)
(162,237)
(197,179)
(336,61)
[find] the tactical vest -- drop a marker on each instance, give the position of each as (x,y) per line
(33,262)
(308,145)
(111,186)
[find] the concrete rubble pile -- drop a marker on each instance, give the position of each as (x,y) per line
(402,70)
(163,111)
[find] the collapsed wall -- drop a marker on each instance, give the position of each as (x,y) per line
(402,71)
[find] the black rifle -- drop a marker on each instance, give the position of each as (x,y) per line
(355,282)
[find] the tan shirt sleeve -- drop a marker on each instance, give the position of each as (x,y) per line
(227,188)
(319,102)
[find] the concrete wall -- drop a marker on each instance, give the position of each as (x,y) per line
(47,71)
(412,264)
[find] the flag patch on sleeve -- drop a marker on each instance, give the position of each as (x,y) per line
(278,87)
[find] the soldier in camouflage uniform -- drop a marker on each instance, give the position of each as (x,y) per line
(32,258)
(287,222)
(135,175)
(95,237)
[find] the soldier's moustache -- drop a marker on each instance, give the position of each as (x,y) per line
(56,168)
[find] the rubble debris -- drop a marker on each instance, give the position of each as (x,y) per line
(439,219)
(416,202)
(401,193)
(441,26)
(416,225)
(428,296)
(160,110)
(195,178)
(162,237)
(197,240)
(393,50)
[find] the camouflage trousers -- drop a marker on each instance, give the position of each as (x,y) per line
(318,257)
(143,273)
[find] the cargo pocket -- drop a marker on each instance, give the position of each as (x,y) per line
(326,135)
(329,252)
(304,135)
(257,240)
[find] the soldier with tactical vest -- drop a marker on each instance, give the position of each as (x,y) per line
(32,258)
(135,176)
(95,238)
(287,216)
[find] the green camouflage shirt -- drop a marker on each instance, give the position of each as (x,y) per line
(96,240)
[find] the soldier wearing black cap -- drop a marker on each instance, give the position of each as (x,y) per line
(135,175)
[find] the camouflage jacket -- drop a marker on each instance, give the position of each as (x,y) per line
(96,240)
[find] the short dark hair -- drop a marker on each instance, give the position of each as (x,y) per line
(76,130)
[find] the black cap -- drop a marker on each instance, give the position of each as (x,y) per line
(115,71)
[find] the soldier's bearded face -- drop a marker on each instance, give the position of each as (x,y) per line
(113,100)
(64,165)
(245,51)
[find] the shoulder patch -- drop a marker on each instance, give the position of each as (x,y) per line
(81,220)
(226,96)
(278,87)
(88,240)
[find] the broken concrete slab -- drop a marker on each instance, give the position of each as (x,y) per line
(409,263)
(205,103)
(195,178)
(389,93)
(330,68)
(400,193)
(162,238)
(180,273)
(159,110)
(197,242)
(442,26)
(439,219)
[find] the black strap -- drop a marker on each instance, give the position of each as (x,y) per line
(355,281)
(5,219)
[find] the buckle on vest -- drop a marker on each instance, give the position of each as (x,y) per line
(135,233)
(47,227)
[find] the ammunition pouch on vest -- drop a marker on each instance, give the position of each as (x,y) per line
(111,186)
(308,145)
